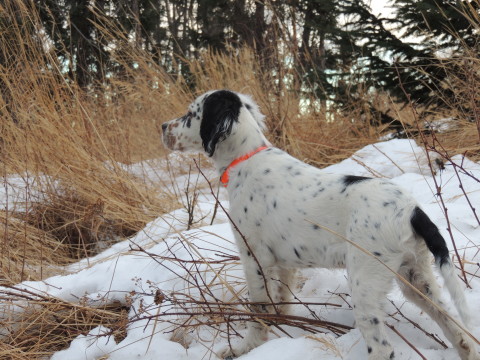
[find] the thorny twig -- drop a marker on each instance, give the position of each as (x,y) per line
(416,325)
(406,341)
(300,322)
(201,311)
(215,207)
(342,296)
(306,305)
(185,261)
(438,188)
(191,200)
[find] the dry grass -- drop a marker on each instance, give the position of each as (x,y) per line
(69,144)
(47,325)
(28,251)
(72,142)
(294,121)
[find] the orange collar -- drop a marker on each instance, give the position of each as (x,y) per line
(225,176)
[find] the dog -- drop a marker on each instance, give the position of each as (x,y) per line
(291,215)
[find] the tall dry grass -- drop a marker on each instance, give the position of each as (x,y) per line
(295,120)
(70,142)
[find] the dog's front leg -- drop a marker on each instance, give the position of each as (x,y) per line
(257,332)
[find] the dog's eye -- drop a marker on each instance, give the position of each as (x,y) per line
(187,119)
(186,116)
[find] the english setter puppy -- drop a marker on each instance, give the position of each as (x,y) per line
(293,215)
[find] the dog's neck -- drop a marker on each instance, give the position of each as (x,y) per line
(245,140)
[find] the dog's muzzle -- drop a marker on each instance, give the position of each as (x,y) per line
(168,139)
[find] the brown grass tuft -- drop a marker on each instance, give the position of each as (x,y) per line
(27,251)
(48,325)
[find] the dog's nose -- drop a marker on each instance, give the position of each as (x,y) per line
(164,126)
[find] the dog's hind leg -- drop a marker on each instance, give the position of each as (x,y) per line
(418,271)
(370,282)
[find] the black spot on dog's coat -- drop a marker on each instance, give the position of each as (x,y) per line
(352,179)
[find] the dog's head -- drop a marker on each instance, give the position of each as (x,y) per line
(210,120)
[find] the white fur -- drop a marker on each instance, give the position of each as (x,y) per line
(277,202)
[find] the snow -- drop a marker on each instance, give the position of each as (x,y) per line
(163,266)
(387,159)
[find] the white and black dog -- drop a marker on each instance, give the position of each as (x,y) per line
(293,215)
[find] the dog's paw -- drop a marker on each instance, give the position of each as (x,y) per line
(231,352)
(257,335)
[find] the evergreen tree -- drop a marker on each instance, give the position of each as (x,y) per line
(445,32)
(71,27)
(359,52)
(339,47)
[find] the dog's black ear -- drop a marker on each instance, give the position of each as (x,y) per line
(220,111)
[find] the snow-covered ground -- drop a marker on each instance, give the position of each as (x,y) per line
(166,273)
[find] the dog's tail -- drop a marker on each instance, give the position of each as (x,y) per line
(425,228)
